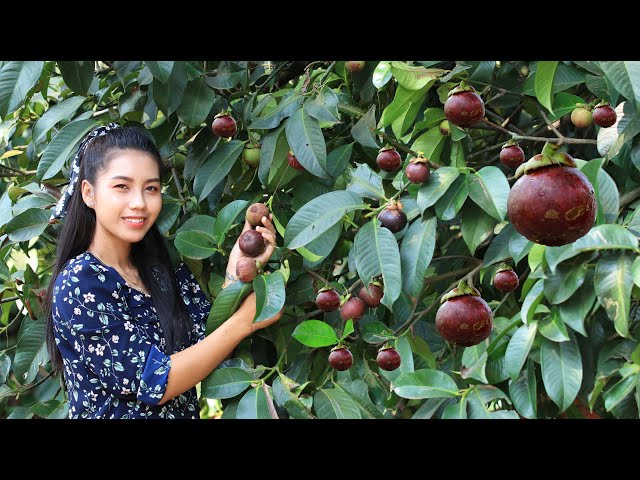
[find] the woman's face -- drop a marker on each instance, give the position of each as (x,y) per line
(127,196)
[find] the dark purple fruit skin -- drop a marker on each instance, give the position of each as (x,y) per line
(388,359)
(417,172)
(251,243)
(464,109)
(293,161)
(372,300)
(604,116)
(255,213)
(394,220)
(224,126)
(552,206)
(465,320)
(341,359)
(512,156)
(389,160)
(246,269)
(353,309)
(328,300)
(506,281)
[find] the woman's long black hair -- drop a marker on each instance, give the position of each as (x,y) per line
(150,255)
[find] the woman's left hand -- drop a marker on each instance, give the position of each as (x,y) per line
(268,232)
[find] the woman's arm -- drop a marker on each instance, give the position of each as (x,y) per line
(193,364)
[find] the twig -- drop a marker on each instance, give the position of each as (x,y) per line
(629,197)
(176,180)
(10,299)
(539,139)
(272,408)
(314,274)
(495,116)
(500,89)
(555,130)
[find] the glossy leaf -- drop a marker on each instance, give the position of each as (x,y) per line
(568,278)
(414,77)
(416,253)
(619,391)
(381,74)
(359,393)
(195,244)
(448,206)
(335,403)
(561,371)
(553,328)
(362,131)
(55,114)
(436,186)
(425,383)
(531,301)
(31,350)
(160,69)
(519,247)
(226,303)
(226,383)
(253,405)
(489,188)
(61,147)
(574,311)
(5,365)
(16,79)
(27,225)
(270,295)
(477,227)
(272,118)
(168,95)
(544,83)
(375,332)
(519,347)
(455,411)
(430,143)
(228,216)
(315,333)
(613,283)
(196,104)
(78,76)
(216,167)
(428,408)
(402,101)
(365,182)
(498,249)
(625,76)
(307,142)
(523,392)
(317,216)
(377,252)
(338,160)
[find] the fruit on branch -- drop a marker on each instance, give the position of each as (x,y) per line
(293,161)
(552,203)
(581,117)
(392,217)
(252,243)
(464,318)
(388,159)
(604,115)
(445,128)
(511,155)
(371,299)
(255,212)
(224,125)
(505,279)
(464,107)
(340,358)
(388,358)
(417,170)
(246,269)
(355,67)
(328,300)
(251,155)
(353,308)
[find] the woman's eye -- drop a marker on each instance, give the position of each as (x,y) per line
(153,189)
(121,185)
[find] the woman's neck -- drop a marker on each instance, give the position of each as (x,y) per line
(114,253)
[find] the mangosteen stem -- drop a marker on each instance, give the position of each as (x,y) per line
(398,146)
(314,274)
(272,408)
(499,89)
(551,125)
(516,136)
(629,197)
(354,286)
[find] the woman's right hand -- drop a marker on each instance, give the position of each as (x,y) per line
(247,311)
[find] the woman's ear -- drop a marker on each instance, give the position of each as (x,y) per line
(87,193)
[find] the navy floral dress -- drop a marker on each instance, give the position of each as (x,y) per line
(109,335)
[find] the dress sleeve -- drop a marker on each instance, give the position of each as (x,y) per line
(197,303)
(93,326)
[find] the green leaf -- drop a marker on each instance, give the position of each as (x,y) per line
(307,142)
(335,403)
(78,75)
(226,383)
(544,83)
(519,247)
(608,199)
(474,362)
(196,104)
(635,270)
(317,108)
(553,327)
(274,170)
(358,390)
(425,383)
(168,214)
(625,77)
(16,79)
(613,283)
(448,206)
(60,148)
(436,186)
(31,350)
(227,217)
(160,70)
(5,365)
(53,115)
(195,244)
(564,104)
(362,131)
(375,332)
(456,411)
(532,300)
(489,188)
(168,95)
(228,75)
(200,223)
(216,167)
(381,74)
(477,226)
(29,224)
(421,348)
(403,347)
(376,251)
(561,371)
(253,405)
(429,408)
(416,253)
(315,333)
(272,118)
(365,182)
(270,295)
(226,303)
(523,393)
(402,101)
(619,391)
(319,248)
(348,329)
(498,249)
(568,278)
(601,237)
(519,347)
(401,124)
(5,210)
(317,216)
(574,311)
(338,160)
(414,77)
(430,143)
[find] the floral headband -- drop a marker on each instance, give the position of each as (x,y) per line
(61,207)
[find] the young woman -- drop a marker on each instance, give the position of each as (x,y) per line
(124,326)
